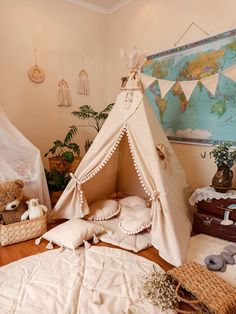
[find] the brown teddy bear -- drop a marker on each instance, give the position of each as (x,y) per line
(12,204)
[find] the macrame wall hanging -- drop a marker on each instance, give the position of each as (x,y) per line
(35,73)
(63,97)
(83,81)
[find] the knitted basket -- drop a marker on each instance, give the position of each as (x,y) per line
(23,230)
(63,166)
(211,292)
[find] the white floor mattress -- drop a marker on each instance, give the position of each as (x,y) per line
(69,282)
(202,245)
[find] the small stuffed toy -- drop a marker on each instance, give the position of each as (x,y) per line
(35,209)
(218,262)
(12,203)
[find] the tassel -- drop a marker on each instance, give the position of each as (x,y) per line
(49,246)
(87,245)
(37,241)
(62,249)
(95,239)
(96,297)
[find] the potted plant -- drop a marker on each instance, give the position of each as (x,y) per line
(65,155)
(95,118)
(224,158)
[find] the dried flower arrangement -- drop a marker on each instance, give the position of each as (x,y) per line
(159,288)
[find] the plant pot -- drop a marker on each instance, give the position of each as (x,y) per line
(222,180)
(63,166)
(54,196)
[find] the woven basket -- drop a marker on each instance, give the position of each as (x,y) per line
(211,292)
(22,231)
(63,166)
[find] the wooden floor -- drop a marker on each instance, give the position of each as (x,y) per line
(14,252)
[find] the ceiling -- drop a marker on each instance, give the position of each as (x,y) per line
(104,6)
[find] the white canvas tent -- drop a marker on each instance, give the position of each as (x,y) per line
(20,159)
(132,155)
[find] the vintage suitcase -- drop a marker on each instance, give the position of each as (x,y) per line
(209,224)
(217,207)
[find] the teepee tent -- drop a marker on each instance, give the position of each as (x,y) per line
(20,159)
(132,155)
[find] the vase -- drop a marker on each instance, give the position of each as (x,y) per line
(222,180)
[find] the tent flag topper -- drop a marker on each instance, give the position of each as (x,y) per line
(83,81)
(63,97)
(131,155)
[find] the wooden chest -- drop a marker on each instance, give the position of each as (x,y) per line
(210,224)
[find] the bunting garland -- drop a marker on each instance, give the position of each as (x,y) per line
(210,83)
(230,73)
(165,86)
(188,87)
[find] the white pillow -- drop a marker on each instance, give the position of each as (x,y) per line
(131,202)
(71,234)
(104,210)
(136,222)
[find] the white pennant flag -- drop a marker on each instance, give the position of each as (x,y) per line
(230,73)
(211,83)
(188,87)
(165,86)
(146,80)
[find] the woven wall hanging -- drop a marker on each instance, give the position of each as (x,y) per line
(36,73)
(83,81)
(63,97)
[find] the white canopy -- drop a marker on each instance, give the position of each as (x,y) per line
(132,155)
(20,159)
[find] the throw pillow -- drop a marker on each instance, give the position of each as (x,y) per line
(103,210)
(72,233)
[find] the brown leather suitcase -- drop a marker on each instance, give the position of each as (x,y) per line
(217,207)
(207,223)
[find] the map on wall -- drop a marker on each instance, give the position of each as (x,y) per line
(194,95)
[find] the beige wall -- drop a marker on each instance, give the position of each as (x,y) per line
(155,25)
(62,32)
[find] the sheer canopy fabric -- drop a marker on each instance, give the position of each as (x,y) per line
(20,159)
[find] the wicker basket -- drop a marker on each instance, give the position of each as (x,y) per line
(22,231)
(62,165)
(211,292)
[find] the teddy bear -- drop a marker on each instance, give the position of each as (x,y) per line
(34,210)
(12,202)
(218,262)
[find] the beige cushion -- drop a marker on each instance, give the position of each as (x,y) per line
(104,210)
(71,234)
(137,221)
(133,201)
(129,203)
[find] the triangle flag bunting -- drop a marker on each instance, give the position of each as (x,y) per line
(165,86)
(211,82)
(230,73)
(188,87)
(146,80)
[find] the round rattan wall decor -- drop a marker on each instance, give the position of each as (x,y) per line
(36,74)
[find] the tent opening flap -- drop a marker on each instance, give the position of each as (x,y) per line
(118,175)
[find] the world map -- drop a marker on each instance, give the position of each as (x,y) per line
(204,118)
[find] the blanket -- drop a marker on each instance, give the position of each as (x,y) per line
(85,281)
